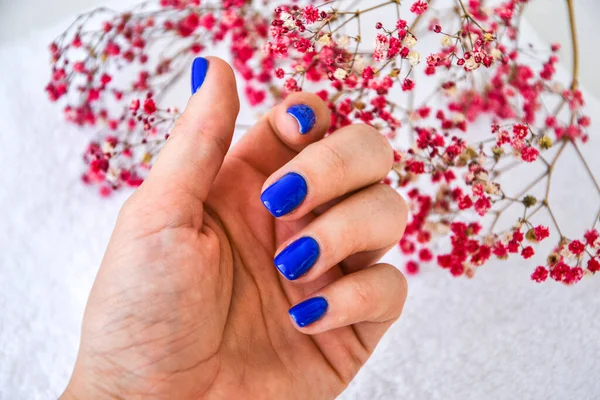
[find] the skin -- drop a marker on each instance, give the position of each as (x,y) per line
(187,303)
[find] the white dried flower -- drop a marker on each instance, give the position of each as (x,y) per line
(359,64)
(506,237)
(113,175)
(414,116)
(414,58)
(566,253)
(446,41)
(340,74)
(324,40)
(458,117)
(107,147)
(344,41)
(409,41)
(491,188)
(471,64)
(497,54)
(288,21)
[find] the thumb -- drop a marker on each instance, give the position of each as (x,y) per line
(195,150)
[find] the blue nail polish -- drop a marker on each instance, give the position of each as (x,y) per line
(304,115)
(297,258)
(284,195)
(308,311)
(199,68)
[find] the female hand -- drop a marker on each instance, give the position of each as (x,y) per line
(187,303)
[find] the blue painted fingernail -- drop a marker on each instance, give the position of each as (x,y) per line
(296,259)
(304,115)
(199,68)
(284,195)
(308,311)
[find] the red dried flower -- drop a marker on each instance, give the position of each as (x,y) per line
(461,171)
(149,106)
(576,247)
(310,14)
(591,237)
(527,252)
(135,105)
(407,85)
(593,265)
(425,255)
(541,232)
(574,275)
(529,154)
(482,205)
(412,267)
(540,274)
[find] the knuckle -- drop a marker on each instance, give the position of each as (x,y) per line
(364,293)
(182,123)
(382,145)
(338,164)
(129,207)
(396,207)
(221,143)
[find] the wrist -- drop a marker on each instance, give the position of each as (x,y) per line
(68,394)
(78,391)
(83,386)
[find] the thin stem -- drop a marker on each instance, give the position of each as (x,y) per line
(376,7)
(596,219)
(587,167)
(469,16)
(555,222)
(551,169)
(575,45)
(528,217)
(525,190)
(500,171)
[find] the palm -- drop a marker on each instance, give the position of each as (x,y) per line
(258,336)
(187,303)
(233,338)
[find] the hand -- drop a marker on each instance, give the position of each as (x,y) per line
(187,303)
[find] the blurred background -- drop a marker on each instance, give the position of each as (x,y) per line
(498,336)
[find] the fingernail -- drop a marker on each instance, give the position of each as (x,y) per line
(284,195)
(199,68)
(297,258)
(308,311)
(304,115)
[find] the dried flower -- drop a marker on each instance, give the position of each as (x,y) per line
(451,181)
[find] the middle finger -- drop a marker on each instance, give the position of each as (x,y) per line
(349,159)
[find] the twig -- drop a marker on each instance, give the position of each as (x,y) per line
(575,45)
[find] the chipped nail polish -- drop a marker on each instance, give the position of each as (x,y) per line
(304,115)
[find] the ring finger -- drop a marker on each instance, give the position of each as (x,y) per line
(372,219)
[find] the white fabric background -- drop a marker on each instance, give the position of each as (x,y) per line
(498,336)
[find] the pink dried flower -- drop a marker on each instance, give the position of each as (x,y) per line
(419,7)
